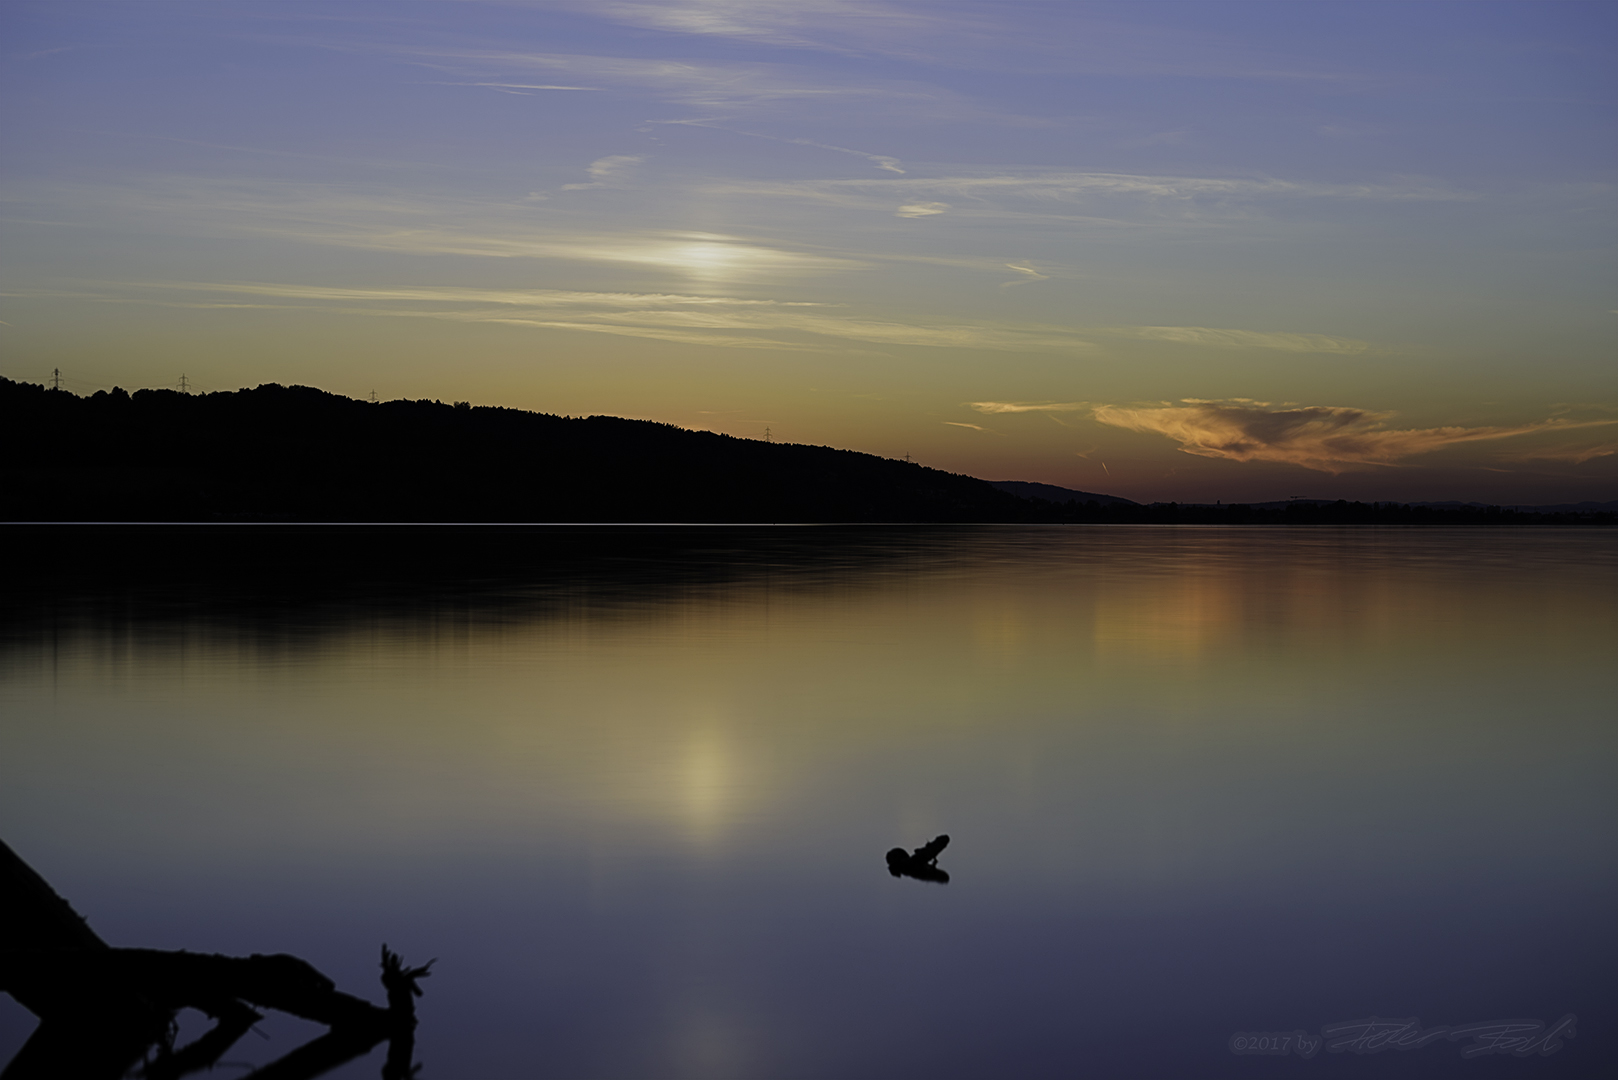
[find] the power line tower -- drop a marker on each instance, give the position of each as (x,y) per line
(373,397)
(56,378)
(767,436)
(908,457)
(185,386)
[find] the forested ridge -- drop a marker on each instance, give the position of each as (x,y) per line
(298,453)
(295,453)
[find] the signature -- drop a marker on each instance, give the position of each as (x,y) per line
(1274,1043)
(1374,1034)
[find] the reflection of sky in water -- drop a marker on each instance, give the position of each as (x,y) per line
(1198,781)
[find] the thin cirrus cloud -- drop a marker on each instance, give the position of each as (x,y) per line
(523,89)
(393,222)
(1096,200)
(707,320)
(728,87)
(1065,38)
(1064,185)
(371,218)
(885,162)
(1033,275)
(797,23)
(1324,438)
(705,257)
(1572,455)
(607,170)
(1203,337)
(995,407)
(1210,337)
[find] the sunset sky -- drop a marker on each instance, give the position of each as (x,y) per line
(1164,251)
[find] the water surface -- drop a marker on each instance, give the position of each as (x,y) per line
(633,791)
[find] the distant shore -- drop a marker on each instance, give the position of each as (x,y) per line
(278,454)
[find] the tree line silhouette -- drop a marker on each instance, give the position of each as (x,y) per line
(295,453)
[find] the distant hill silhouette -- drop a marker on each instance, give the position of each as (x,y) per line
(1025,489)
(294,453)
(297,453)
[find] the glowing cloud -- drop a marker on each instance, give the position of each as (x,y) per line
(993,407)
(1325,438)
(1032,276)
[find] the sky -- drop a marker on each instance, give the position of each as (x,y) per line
(1232,251)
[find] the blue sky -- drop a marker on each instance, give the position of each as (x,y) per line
(1162,250)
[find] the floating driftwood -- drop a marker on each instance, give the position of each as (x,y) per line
(105,1012)
(922,863)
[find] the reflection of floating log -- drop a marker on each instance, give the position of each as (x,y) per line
(922,863)
(101,1008)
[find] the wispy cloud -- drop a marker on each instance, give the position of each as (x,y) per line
(729,88)
(451,294)
(881,161)
(604,171)
(1573,455)
(1051,37)
(842,26)
(1095,200)
(708,320)
(974,427)
(1212,338)
(1042,192)
(517,88)
(706,257)
(993,407)
(1325,438)
(372,218)
(1033,275)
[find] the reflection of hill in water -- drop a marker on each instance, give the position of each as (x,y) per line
(1146,592)
(286,579)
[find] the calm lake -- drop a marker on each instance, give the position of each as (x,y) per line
(633,789)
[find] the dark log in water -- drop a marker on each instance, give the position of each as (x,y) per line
(60,980)
(32,916)
(921,864)
(103,1028)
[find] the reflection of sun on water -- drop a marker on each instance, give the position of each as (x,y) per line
(704,784)
(707,1045)
(1179,619)
(998,635)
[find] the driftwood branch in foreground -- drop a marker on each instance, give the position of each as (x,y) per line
(102,1009)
